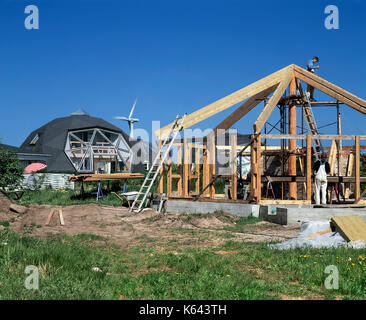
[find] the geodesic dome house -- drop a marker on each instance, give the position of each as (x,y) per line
(78,143)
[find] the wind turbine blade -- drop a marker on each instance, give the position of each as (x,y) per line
(121,118)
(133,108)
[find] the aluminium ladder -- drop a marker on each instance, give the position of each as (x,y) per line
(160,158)
(310,120)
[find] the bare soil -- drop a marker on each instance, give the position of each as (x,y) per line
(125,228)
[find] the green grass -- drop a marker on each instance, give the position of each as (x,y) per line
(66,198)
(231,271)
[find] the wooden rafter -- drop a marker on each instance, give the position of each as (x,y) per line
(244,109)
(229,100)
(330,89)
(273,101)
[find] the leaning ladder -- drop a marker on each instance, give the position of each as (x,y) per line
(160,158)
(310,120)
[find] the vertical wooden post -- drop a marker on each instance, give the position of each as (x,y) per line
(259,171)
(169,175)
(233,166)
(292,143)
(205,172)
(253,168)
(256,173)
(212,163)
(161,173)
(186,165)
(357,168)
(308,167)
(197,155)
(180,181)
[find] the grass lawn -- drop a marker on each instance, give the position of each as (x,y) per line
(66,198)
(234,270)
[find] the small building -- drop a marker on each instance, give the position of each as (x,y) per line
(83,144)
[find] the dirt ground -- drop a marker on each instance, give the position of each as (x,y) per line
(125,228)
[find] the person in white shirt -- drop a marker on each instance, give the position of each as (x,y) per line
(321,169)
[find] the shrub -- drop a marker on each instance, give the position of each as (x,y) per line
(11,172)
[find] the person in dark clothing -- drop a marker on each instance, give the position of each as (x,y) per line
(321,169)
(311,67)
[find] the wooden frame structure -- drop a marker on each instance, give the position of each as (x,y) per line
(273,91)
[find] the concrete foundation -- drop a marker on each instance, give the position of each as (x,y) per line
(296,215)
(239,209)
(281,214)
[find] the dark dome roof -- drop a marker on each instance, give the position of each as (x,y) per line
(52,138)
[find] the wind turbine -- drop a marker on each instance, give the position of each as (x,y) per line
(130,120)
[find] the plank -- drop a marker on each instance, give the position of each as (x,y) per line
(229,100)
(49,217)
(351,228)
(349,173)
(244,109)
(332,156)
(273,101)
(314,235)
(271,201)
(62,222)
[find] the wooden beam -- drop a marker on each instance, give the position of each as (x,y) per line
(331,89)
(273,101)
(205,170)
(169,175)
(229,100)
(253,168)
(180,170)
(161,174)
(318,136)
(267,201)
(292,143)
(244,109)
(233,166)
(258,169)
(357,168)
(198,161)
(186,168)
(308,167)
(211,163)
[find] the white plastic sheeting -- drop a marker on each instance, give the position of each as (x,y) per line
(327,240)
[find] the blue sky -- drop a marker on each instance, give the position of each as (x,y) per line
(175,56)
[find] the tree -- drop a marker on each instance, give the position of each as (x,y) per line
(11,172)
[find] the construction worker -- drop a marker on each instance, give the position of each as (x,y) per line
(321,169)
(311,68)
